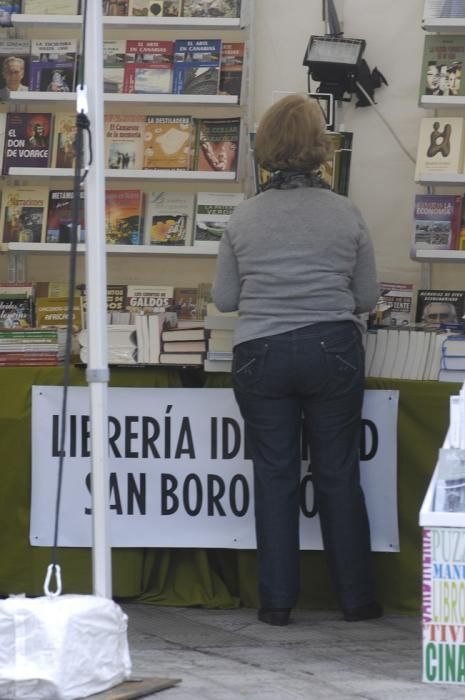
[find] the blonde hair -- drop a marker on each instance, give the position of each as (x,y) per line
(291,136)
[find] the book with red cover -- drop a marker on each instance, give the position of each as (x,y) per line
(27,140)
(148,66)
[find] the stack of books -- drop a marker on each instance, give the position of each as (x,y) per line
(220,342)
(184,345)
(25,347)
(452,367)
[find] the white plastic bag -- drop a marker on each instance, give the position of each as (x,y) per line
(61,648)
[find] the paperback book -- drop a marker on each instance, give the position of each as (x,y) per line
(64,134)
(116,304)
(211,8)
(115,8)
(217,144)
(196,68)
(169,218)
(155,8)
(23,214)
(442,64)
(437,221)
(124,141)
(168,142)
(439,307)
(440,146)
(53,65)
(399,297)
(14,64)
(114,57)
(7,8)
(16,312)
(123,210)
(185,303)
(60,217)
(148,67)
(27,140)
(50,7)
(146,299)
(213,211)
(231,69)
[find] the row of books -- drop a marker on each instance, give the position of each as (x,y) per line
(413,353)
(439,222)
(181,66)
(132,217)
(42,140)
(400,305)
(135,8)
(26,347)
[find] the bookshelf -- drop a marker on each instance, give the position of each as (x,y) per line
(56,26)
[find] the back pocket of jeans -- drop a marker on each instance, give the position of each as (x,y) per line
(343,355)
(249,364)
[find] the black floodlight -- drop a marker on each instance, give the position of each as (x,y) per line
(333,61)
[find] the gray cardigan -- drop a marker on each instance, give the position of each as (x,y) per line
(293,257)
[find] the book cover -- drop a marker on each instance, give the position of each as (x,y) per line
(53,311)
(231,68)
(196,67)
(440,146)
(185,302)
(53,65)
(148,298)
(123,211)
(437,221)
(436,307)
(211,8)
(114,57)
(169,218)
(27,140)
(168,142)
(155,8)
(50,7)
(213,211)
(7,8)
(23,214)
(444,8)
(217,144)
(442,64)
(115,8)
(148,66)
(204,297)
(116,302)
(64,134)
(16,313)
(14,64)
(60,217)
(124,141)
(399,296)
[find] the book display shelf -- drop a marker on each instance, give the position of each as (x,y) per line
(137,104)
(437,22)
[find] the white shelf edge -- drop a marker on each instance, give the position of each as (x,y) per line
(194,175)
(440,179)
(437,101)
(123,98)
(438,255)
(37,96)
(110,249)
(131,22)
(441,24)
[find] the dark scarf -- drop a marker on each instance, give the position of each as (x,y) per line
(291,179)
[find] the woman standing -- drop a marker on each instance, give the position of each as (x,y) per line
(297,262)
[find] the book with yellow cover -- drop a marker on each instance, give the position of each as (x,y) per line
(23,215)
(64,133)
(168,142)
(440,146)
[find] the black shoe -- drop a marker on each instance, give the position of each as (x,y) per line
(274,616)
(370,611)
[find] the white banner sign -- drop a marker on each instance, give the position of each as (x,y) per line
(177,472)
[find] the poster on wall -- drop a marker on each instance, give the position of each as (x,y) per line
(178,474)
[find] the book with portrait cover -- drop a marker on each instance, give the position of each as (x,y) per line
(439,306)
(213,211)
(442,65)
(211,8)
(437,221)
(114,57)
(123,212)
(196,67)
(148,66)
(217,144)
(50,7)
(441,143)
(232,65)
(124,141)
(169,218)
(27,140)
(23,214)
(60,217)
(399,296)
(14,64)
(64,134)
(115,8)
(155,8)
(168,142)
(53,65)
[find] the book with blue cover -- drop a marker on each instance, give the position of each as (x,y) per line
(53,65)
(196,67)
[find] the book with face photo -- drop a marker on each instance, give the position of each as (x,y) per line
(436,307)
(63,141)
(14,64)
(27,140)
(124,141)
(442,65)
(53,65)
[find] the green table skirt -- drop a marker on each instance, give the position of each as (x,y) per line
(210,578)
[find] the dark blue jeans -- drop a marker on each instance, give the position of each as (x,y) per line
(317,373)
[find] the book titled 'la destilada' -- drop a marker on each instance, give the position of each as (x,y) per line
(27,141)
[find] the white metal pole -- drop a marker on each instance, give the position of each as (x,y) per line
(96,285)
